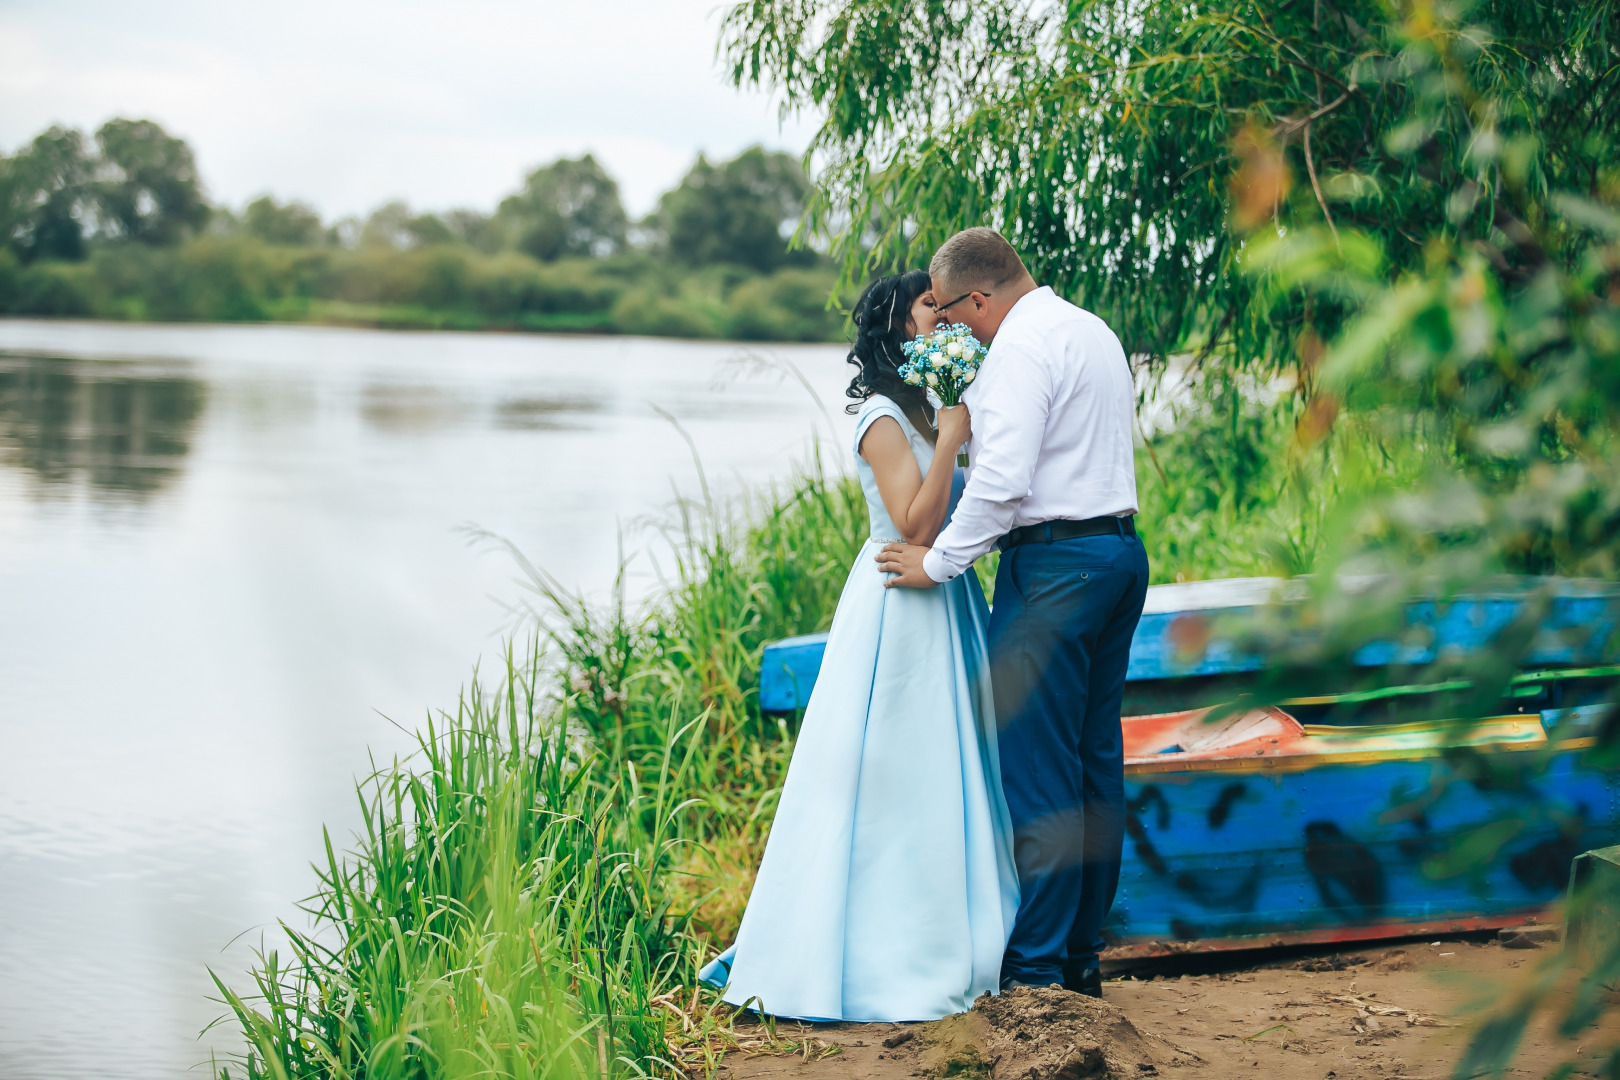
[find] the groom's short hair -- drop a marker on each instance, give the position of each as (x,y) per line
(979,259)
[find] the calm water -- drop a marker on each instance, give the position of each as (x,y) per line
(228,556)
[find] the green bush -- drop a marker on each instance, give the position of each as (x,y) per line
(237,278)
(10,281)
(1236,488)
(674,305)
(789,305)
(510,286)
(44,288)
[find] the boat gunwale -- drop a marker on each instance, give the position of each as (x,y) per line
(1257,763)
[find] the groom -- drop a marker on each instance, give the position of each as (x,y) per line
(1052,483)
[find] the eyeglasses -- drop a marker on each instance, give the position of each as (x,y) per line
(941,307)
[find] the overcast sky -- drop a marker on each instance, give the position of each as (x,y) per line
(348,103)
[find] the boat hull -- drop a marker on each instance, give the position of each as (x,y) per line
(1256,853)
(1349,815)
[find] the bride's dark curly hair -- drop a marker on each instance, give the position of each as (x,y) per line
(880,326)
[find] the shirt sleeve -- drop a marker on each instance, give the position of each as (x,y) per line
(1009,425)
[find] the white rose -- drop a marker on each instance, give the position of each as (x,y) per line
(933,380)
(969,376)
(954,348)
(913,378)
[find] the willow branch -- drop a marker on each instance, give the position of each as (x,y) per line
(1316,186)
(1288,127)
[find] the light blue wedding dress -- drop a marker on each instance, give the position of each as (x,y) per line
(887,889)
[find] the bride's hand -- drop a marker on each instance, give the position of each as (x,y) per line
(955,428)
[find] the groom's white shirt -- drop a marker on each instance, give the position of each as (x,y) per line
(1052,412)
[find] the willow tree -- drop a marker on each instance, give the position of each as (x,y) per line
(1102,136)
(1432,189)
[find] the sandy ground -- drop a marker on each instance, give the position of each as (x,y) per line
(1402,1010)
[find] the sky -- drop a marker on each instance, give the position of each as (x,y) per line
(345,104)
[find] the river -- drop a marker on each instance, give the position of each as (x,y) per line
(238,562)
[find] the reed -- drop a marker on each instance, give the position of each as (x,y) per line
(740,577)
(501,911)
(520,899)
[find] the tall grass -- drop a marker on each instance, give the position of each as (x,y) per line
(532,893)
(1241,486)
(740,577)
(501,912)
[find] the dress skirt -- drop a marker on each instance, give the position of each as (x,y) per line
(888,889)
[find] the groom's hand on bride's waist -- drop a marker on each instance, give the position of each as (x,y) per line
(905,561)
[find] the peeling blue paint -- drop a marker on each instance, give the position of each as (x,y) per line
(1576,629)
(1219,854)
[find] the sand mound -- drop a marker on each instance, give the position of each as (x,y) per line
(1043,1034)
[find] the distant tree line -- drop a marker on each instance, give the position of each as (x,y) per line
(119,225)
(140,183)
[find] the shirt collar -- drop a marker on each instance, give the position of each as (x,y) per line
(1024,305)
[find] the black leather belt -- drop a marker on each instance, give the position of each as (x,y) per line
(1044,532)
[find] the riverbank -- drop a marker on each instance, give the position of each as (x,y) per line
(535,889)
(567,941)
(437,287)
(1399,1010)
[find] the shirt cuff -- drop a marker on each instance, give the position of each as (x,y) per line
(934,566)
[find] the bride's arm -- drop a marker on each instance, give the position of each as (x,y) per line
(916,503)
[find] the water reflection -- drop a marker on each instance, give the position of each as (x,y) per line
(556,413)
(426,409)
(406,409)
(64,420)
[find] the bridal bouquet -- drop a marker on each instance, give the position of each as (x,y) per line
(944,362)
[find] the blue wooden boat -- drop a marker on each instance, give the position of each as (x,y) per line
(1324,819)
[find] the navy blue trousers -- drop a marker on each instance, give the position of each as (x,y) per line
(1060,641)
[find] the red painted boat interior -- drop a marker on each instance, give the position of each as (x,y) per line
(1166,741)
(1191,736)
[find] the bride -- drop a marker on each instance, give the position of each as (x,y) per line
(887,889)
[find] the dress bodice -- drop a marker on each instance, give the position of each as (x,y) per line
(882,526)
